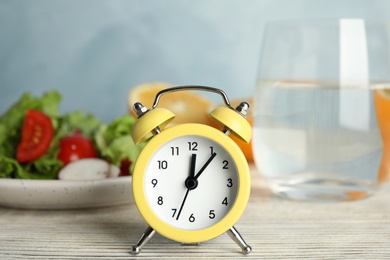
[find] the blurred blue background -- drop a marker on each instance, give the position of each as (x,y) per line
(94,51)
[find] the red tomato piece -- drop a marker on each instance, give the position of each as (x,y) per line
(75,147)
(37,134)
(125,168)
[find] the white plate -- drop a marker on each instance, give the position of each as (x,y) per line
(62,194)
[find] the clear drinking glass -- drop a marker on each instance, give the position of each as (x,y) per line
(321,107)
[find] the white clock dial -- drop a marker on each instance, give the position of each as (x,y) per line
(201,201)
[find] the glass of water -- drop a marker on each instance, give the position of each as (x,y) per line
(320,109)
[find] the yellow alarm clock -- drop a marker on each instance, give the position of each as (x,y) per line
(191,182)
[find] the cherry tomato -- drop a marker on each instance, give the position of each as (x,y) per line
(76,146)
(37,134)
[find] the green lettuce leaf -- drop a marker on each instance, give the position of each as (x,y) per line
(115,143)
(11,123)
(78,120)
(10,168)
(12,120)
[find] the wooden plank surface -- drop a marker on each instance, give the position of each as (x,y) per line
(275,228)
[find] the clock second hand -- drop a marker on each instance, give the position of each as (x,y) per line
(182,204)
(192,181)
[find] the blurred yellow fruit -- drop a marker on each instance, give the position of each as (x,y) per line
(188,106)
(382,106)
(245,147)
(355,195)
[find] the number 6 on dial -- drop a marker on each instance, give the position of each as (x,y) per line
(191,182)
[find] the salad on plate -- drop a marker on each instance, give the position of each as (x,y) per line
(37,142)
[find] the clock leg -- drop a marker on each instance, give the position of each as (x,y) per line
(146,236)
(236,237)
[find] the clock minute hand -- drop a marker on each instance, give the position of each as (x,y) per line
(205,165)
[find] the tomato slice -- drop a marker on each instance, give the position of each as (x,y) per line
(37,134)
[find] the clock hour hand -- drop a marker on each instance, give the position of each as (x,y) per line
(192,167)
(205,165)
(191,182)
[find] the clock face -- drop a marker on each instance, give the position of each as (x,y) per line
(191,182)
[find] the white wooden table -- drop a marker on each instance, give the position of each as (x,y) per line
(275,228)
